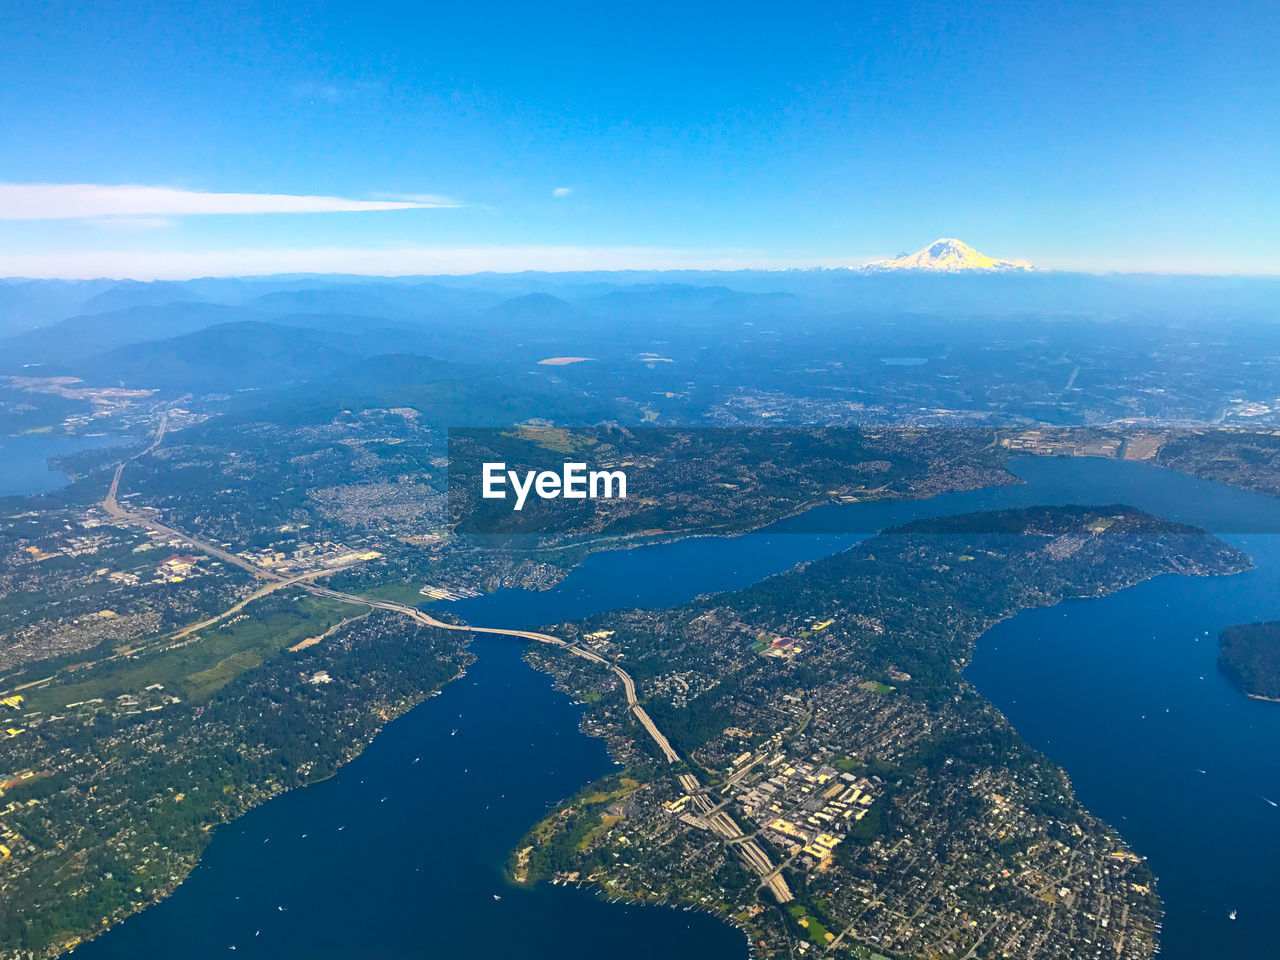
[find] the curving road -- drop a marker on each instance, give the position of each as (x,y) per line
(427,620)
(718,821)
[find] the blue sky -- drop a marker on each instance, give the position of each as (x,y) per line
(559,136)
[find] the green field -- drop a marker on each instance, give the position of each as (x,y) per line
(866,953)
(816,931)
(876,686)
(555,439)
(218,654)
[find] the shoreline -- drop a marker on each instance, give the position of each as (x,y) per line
(1234,563)
(163,893)
(1258,696)
(409,704)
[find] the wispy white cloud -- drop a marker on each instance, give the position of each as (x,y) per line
(71,201)
(562,191)
(402,261)
(322,91)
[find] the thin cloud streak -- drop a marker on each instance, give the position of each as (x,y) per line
(77,201)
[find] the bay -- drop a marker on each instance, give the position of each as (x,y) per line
(401,854)
(24,461)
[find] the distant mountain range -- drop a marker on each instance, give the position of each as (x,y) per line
(947,255)
(225,335)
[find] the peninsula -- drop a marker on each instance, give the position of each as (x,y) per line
(1249,655)
(837,783)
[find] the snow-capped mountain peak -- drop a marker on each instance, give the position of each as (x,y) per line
(948,255)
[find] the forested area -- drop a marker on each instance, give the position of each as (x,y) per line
(1249,655)
(123,822)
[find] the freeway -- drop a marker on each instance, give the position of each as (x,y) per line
(109,502)
(119,515)
(270,587)
(724,826)
(628,685)
(718,820)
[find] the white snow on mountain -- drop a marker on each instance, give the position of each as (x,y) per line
(947,255)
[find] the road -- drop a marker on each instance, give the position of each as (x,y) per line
(628,685)
(725,827)
(119,515)
(256,595)
(719,821)
(109,502)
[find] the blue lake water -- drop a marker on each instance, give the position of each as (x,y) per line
(401,854)
(24,461)
(1124,693)
(1110,688)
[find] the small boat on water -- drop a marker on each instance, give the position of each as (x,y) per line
(1231,915)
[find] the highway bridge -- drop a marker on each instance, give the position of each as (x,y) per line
(717,820)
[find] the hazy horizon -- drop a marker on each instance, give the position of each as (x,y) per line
(712,268)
